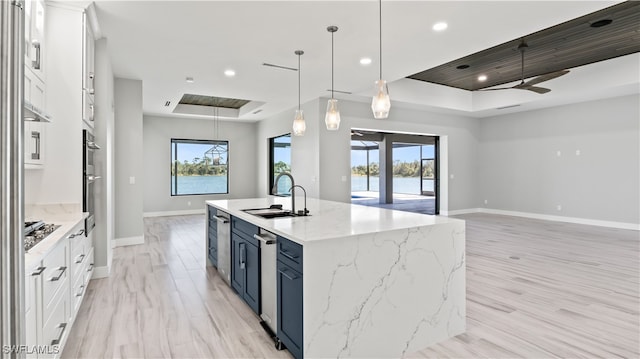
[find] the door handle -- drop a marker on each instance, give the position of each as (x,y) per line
(62,270)
(243,263)
(62,326)
(221,219)
(38,271)
(288,276)
(35,135)
(36,63)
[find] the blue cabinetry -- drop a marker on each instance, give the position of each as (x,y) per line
(245,262)
(289,278)
(212,236)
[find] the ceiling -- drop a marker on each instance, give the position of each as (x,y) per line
(164,42)
(581,41)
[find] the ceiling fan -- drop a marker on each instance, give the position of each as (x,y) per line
(529,85)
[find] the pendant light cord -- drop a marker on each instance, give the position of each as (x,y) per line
(380,28)
(332,65)
(299,81)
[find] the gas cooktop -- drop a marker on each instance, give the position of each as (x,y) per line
(35,232)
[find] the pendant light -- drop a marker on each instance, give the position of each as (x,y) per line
(298,121)
(332,118)
(381,103)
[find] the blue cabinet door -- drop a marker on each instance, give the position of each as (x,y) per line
(212,238)
(290,321)
(251,293)
(237,266)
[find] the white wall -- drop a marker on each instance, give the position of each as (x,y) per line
(158,132)
(128,138)
(305,157)
(521,171)
(104,133)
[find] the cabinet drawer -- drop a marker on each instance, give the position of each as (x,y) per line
(56,272)
(55,328)
(243,227)
(290,253)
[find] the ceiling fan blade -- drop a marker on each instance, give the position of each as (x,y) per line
(546,77)
(536,89)
(499,88)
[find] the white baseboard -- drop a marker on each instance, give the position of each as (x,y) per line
(546,217)
(174,213)
(459,211)
(128,241)
(101,272)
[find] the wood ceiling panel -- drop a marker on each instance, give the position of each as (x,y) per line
(570,44)
(212,101)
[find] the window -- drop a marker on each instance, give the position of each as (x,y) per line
(280,161)
(199,167)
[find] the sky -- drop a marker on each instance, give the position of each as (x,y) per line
(190,151)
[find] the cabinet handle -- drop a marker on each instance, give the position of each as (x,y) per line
(38,271)
(288,276)
(221,219)
(242,256)
(81,259)
(36,63)
(35,135)
(62,326)
(80,232)
(290,256)
(92,116)
(92,77)
(62,270)
(81,291)
(90,267)
(264,240)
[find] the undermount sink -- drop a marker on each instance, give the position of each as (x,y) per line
(269,212)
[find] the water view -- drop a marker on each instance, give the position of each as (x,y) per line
(408,185)
(199,184)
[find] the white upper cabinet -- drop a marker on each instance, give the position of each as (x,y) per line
(88,71)
(34,48)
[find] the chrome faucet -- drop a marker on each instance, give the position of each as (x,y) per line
(274,190)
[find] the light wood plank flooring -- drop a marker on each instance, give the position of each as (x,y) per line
(535,289)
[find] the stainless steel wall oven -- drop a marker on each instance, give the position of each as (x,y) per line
(89,177)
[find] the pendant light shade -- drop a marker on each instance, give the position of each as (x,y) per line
(332,118)
(299,126)
(381,103)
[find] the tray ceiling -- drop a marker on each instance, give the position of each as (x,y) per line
(584,40)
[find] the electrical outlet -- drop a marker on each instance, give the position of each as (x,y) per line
(451,176)
(132,180)
(189,203)
(486,201)
(559,207)
(344,178)
(558,153)
(577,152)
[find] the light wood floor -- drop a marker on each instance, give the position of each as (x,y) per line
(535,289)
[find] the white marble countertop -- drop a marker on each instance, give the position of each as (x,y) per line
(66,215)
(328,219)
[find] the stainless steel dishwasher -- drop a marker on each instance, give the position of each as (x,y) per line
(268,290)
(224,245)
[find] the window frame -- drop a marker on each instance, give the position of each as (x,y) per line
(175,142)
(271,164)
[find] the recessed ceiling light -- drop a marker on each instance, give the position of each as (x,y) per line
(482,78)
(229,73)
(462,67)
(189,80)
(440,26)
(365,61)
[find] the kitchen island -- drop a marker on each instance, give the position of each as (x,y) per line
(376,282)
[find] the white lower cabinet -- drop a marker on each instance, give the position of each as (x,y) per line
(54,291)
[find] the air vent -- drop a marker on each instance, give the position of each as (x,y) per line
(338,91)
(166,104)
(502,108)
(212,101)
(279,66)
